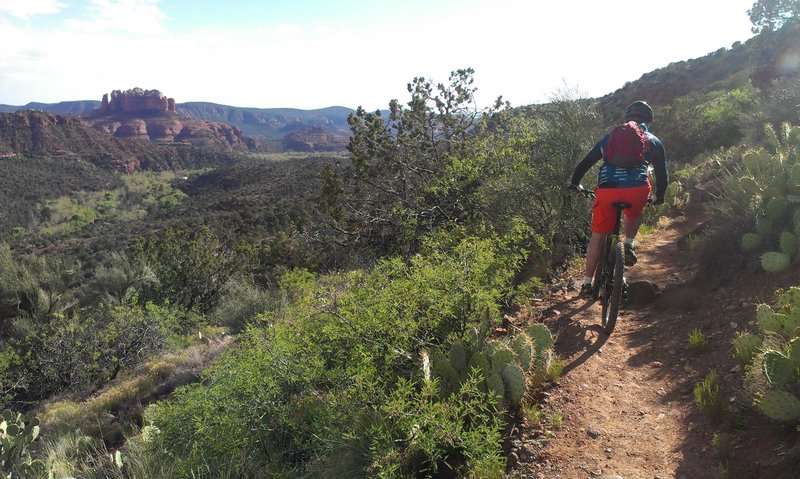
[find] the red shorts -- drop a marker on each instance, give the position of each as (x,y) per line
(604,215)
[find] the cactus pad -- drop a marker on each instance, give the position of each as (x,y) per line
(523,349)
(501,358)
(790,298)
(458,356)
(776,208)
(788,242)
(745,347)
(541,337)
(448,377)
(775,262)
(763,226)
(778,369)
(781,406)
(768,320)
(514,380)
(481,362)
(750,241)
(495,383)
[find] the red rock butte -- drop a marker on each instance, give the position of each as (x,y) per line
(136,99)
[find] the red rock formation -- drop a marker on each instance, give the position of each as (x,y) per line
(150,115)
(135,100)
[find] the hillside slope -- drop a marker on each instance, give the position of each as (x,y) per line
(759,60)
(627,399)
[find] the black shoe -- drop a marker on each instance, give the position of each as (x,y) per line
(630,255)
(586,290)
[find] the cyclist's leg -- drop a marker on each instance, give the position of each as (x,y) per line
(593,253)
(637,197)
(603,220)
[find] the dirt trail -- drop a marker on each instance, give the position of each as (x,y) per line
(627,400)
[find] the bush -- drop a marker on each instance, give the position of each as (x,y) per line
(80,350)
(339,346)
(709,398)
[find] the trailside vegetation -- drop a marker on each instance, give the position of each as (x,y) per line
(339,316)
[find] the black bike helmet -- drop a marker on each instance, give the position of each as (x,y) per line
(639,110)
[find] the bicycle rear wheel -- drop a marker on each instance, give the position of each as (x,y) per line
(601,270)
(613,298)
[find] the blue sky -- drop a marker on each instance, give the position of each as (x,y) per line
(313,53)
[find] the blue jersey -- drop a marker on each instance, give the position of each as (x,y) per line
(611,176)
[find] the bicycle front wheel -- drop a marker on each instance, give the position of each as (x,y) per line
(614,299)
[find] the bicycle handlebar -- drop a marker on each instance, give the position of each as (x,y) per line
(581,191)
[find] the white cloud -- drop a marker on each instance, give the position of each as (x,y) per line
(25,9)
(523,50)
(132,16)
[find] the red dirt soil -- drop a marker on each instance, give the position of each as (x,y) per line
(627,400)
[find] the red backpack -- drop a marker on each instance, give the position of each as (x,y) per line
(626,146)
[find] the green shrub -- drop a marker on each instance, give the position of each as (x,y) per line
(338,346)
(697,340)
(709,398)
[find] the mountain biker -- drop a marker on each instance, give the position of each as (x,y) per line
(631,185)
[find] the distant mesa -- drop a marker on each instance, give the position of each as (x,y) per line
(150,116)
(136,100)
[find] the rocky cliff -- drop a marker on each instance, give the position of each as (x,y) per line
(149,115)
(136,100)
(30,134)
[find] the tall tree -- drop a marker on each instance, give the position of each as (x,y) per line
(407,173)
(772,14)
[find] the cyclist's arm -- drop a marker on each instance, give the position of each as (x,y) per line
(588,161)
(659,163)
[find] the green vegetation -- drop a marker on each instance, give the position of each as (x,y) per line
(709,398)
(772,14)
(364,291)
(697,340)
(772,361)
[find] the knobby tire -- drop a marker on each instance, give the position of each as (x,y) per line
(600,270)
(611,303)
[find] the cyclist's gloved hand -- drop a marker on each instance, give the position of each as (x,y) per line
(577,188)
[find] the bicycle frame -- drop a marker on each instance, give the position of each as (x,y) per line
(610,272)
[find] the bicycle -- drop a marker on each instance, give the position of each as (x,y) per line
(608,284)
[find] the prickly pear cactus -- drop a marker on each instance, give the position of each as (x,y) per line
(524,351)
(501,358)
(779,370)
(776,208)
(781,406)
(480,362)
(790,298)
(495,383)
(750,241)
(458,356)
(794,352)
(788,242)
(541,337)
(441,368)
(749,186)
(745,347)
(775,262)
(16,436)
(514,380)
(492,347)
(768,320)
(763,226)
